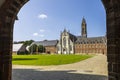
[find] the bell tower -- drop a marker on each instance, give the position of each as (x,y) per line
(84,28)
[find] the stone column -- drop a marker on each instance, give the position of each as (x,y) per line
(5,49)
(113,37)
(8,14)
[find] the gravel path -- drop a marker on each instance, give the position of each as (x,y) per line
(91,69)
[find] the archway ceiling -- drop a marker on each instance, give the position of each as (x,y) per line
(1,2)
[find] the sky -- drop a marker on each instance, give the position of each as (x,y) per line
(45,19)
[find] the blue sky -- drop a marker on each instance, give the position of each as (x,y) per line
(45,19)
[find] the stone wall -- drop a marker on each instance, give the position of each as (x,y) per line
(113,37)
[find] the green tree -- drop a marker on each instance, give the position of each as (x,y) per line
(33,48)
(41,48)
(29,42)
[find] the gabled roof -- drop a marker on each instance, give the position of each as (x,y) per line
(17,47)
(46,42)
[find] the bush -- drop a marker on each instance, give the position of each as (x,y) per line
(22,53)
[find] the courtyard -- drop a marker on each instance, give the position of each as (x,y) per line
(94,68)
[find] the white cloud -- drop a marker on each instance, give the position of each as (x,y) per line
(41,35)
(42,16)
(38,35)
(42,30)
(35,34)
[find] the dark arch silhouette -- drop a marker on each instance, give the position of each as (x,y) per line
(8,13)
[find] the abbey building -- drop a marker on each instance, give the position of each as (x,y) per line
(71,44)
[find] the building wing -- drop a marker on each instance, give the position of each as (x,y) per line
(16,47)
(91,40)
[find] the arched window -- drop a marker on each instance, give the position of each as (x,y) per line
(64,41)
(70,47)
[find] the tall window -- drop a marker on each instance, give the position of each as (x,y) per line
(64,42)
(70,47)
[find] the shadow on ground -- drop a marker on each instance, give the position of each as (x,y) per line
(18,59)
(31,74)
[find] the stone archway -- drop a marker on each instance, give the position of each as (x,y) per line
(112,8)
(8,14)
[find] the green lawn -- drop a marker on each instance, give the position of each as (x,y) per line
(47,59)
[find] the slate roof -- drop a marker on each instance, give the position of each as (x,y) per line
(18,47)
(90,40)
(46,42)
(72,37)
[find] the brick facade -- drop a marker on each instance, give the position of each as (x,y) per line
(91,48)
(50,49)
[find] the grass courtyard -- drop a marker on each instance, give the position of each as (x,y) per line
(45,60)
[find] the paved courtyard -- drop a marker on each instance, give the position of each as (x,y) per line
(91,69)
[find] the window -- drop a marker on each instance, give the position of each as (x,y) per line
(64,42)
(70,47)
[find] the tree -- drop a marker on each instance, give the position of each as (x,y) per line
(27,43)
(41,48)
(33,48)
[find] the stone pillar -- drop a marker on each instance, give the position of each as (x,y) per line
(5,50)
(113,37)
(8,14)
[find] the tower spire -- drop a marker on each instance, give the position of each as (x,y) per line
(84,28)
(65,30)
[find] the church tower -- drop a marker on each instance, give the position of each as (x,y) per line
(84,28)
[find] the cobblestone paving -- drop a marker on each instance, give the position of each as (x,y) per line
(91,69)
